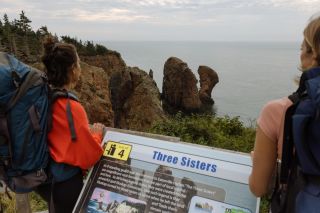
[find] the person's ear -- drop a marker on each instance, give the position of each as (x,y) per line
(315,59)
(314,55)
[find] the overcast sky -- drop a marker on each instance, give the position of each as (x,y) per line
(199,20)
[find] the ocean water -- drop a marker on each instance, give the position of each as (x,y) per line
(250,73)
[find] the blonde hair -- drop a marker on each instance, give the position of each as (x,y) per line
(312,37)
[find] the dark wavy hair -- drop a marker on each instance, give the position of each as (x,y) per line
(58,58)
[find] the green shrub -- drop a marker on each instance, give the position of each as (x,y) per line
(221,132)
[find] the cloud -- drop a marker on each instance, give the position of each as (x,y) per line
(152,11)
(111,15)
(299,5)
(125,17)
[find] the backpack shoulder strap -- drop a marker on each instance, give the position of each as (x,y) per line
(288,145)
(59,93)
(312,87)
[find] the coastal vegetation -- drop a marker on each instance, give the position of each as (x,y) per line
(18,37)
(209,130)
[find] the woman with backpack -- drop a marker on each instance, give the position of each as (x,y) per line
(271,122)
(73,146)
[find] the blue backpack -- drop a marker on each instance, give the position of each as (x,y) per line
(24,107)
(298,185)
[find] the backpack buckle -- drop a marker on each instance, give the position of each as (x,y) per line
(39,172)
(4,132)
(16,79)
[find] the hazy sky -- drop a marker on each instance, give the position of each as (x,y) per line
(204,20)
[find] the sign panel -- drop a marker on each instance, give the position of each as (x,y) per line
(138,174)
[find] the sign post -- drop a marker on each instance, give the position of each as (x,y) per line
(140,174)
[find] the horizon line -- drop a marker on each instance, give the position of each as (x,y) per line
(244,41)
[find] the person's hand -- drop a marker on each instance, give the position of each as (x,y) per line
(97,128)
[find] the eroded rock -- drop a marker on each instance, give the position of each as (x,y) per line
(179,90)
(208,79)
(143,108)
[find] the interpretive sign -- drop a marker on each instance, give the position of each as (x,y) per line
(140,174)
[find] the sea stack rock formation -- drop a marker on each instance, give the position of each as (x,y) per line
(179,90)
(208,79)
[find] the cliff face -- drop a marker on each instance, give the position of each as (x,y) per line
(110,62)
(143,106)
(134,97)
(94,93)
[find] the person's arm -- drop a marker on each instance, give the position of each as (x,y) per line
(88,139)
(264,159)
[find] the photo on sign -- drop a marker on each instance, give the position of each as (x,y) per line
(203,205)
(103,201)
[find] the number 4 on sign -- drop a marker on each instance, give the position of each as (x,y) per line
(117,150)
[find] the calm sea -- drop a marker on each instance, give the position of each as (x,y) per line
(251,73)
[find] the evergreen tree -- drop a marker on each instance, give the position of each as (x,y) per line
(44,31)
(8,35)
(1,35)
(101,50)
(22,27)
(16,27)
(90,49)
(24,23)
(18,37)
(6,20)
(1,29)
(69,40)
(6,26)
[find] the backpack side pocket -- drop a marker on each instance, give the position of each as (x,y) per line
(308,199)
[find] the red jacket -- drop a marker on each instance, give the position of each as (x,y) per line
(83,152)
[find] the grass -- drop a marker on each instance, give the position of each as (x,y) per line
(9,205)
